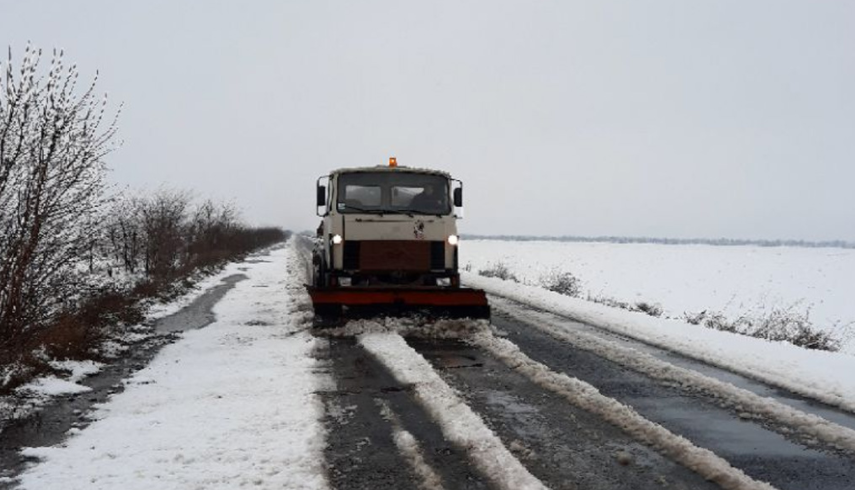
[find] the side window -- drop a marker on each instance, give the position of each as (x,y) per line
(403,196)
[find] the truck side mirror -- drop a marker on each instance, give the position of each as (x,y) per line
(458,197)
(322,195)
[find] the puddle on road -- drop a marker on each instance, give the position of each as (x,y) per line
(719,429)
(798,402)
(452,354)
(199,313)
(452,361)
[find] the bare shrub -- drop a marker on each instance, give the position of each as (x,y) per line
(166,235)
(52,149)
(612,302)
(777,324)
(163,219)
(561,282)
(210,229)
(500,271)
(652,309)
(124,235)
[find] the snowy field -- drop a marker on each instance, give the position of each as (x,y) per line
(691,278)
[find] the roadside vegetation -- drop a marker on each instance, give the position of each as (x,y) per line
(500,271)
(78,262)
(790,324)
(561,282)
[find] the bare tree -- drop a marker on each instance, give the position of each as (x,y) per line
(52,148)
(124,234)
(164,222)
(212,225)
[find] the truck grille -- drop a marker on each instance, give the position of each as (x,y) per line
(394,255)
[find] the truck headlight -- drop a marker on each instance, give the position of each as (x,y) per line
(443,281)
(337,239)
(345,281)
(453,239)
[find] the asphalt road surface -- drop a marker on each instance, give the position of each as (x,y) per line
(562,445)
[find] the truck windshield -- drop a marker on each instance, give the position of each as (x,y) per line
(392,192)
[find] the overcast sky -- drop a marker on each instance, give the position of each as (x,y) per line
(702,118)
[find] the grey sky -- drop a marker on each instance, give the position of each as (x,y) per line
(659,118)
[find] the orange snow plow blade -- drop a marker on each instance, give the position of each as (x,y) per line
(390,301)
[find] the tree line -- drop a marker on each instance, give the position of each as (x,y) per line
(670,241)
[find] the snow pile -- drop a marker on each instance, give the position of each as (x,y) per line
(37,391)
(233,404)
(458,422)
(583,395)
(410,327)
(46,386)
(808,426)
(824,376)
(77,369)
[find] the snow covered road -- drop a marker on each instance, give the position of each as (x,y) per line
(230,405)
(532,399)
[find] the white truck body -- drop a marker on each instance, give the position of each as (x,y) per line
(390,234)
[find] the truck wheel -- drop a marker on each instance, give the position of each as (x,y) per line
(319,272)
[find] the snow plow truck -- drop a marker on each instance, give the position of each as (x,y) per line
(388,246)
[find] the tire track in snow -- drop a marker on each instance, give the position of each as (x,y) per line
(563,445)
(361,451)
(581,394)
(458,422)
(808,426)
(410,449)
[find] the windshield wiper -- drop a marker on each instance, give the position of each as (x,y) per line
(381,211)
(364,210)
(425,213)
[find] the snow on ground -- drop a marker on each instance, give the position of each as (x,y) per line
(233,404)
(77,369)
(44,387)
(458,422)
(690,278)
(825,376)
(52,386)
